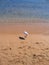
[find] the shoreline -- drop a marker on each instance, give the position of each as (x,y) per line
(23,20)
(18,26)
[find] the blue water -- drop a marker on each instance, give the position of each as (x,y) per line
(24,8)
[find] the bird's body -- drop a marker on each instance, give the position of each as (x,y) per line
(26,34)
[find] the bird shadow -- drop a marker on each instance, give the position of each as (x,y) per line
(22,38)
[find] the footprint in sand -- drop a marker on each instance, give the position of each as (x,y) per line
(38,42)
(20,53)
(7,48)
(46,48)
(29,47)
(34,55)
(20,47)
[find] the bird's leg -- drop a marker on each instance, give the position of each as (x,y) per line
(25,36)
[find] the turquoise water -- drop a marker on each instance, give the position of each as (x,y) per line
(24,9)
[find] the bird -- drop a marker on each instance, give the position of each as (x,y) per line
(26,34)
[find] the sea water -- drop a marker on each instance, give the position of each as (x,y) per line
(24,9)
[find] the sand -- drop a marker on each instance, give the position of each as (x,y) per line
(34,50)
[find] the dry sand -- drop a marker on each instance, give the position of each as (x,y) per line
(34,50)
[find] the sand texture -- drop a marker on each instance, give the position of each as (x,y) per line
(34,50)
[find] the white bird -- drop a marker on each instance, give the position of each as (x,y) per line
(26,34)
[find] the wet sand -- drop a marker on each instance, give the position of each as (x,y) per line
(34,50)
(17,28)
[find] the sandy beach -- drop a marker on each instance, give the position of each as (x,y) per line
(20,17)
(34,50)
